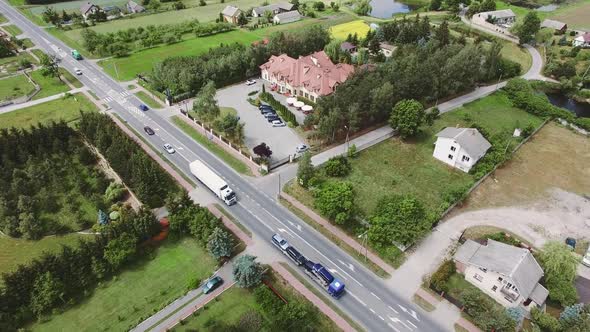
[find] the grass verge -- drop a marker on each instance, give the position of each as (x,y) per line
(70,78)
(15,87)
(12,29)
(184,176)
(117,305)
(148,100)
(234,220)
(232,161)
(49,85)
(422,303)
(66,109)
(322,297)
(343,245)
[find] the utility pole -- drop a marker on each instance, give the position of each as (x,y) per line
(363,238)
(347,132)
(279,194)
(116,71)
(499,78)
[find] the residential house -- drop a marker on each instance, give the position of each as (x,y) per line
(286,17)
(89,9)
(348,47)
(387,49)
(133,7)
(275,8)
(112,12)
(231,14)
(508,274)
(310,76)
(503,17)
(582,41)
(558,27)
(460,147)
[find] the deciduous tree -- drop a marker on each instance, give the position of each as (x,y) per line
(305,170)
(407,116)
(205,104)
(335,200)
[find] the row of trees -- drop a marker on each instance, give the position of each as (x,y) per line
(121,42)
(55,280)
(47,170)
(229,64)
(150,183)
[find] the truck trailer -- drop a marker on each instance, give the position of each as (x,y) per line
(213,181)
(322,276)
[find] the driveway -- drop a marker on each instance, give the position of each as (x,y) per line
(282,140)
(583,287)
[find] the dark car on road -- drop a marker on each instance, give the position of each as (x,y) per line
(143,107)
(149,130)
(296,256)
(212,284)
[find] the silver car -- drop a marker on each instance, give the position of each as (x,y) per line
(169,148)
(586,258)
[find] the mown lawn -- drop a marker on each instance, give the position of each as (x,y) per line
(341,31)
(3,19)
(229,159)
(143,61)
(18,251)
(67,109)
(513,52)
(10,64)
(148,100)
(12,29)
(14,87)
(119,304)
(49,85)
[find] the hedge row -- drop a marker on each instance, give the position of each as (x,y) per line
(280,108)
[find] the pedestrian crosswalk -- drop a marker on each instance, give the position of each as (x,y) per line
(107,99)
(113,95)
(124,94)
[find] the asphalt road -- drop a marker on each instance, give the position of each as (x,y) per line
(368,299)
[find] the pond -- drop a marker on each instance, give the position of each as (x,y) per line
(582,110)
(387,8)
(547,8)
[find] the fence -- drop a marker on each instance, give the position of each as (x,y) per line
(25,98)
(279,163)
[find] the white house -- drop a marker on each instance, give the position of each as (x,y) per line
(387,49)
(88,9)
(582,41)
(286,17)
(231,14)
(508,274)
(460,147)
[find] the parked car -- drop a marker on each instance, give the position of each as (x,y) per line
(269,114)
(278,123)
(264,106)
(273,118)
(281,243)
(301,148)
(169,148)
(212,284)
(143,107)
(296,256)
(267,110)
(149,130)
(571,242)
(77,71)
(250,82)
(586,258)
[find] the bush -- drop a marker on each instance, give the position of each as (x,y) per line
(337,167)
(335,200)
(439,279)
(545,321)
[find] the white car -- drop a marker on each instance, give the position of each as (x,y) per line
(77,71)
(586,259)
(169,148)
(281,243)
(301,148)
(278,123)
(250,82)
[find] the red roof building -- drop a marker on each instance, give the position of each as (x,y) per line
(310,76)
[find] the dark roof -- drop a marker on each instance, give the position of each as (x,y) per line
(273,7)
(86,7)
(286,15)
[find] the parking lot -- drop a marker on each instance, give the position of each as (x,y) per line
(281,140)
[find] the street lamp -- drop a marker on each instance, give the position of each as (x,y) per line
(499,78)
(363,237)
(347,132)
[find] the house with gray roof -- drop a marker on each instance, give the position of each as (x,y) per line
(502,17)
(286,17)
(231,14)
(508,274)
(460,147)
(88,9)
(275,8)
(134,7)
(559,27)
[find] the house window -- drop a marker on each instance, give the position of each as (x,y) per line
(451,156)
(494,288)
(453,148)
(478,277)
(465,158)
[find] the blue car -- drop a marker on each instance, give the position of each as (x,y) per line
(212,284)
(143,107)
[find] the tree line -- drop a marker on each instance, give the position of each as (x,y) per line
(228,64)
(150,183)
(47,171)
(120,43)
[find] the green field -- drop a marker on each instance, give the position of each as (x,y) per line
(143,61)
(574,13)
(3,19)
(398,167)
(17,251)
(148,100)
(49,85)
(229,159)
(27,43)
(119,304)
(512,51)
(12,29)
(60,109)
(14,87)
(341,31)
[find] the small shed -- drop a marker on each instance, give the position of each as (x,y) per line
(558,27)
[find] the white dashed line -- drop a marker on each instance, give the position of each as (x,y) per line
(375,295)
(356,298)
(393,327)
(373,311)
(393,309)
(411,323)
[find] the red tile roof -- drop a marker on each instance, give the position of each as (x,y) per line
(316,72)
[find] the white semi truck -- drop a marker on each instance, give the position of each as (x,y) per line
(213,181)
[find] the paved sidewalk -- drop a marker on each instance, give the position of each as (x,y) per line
(14,107)
(314,299)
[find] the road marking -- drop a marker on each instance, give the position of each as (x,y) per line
(410,312)
(375,295)
(383,319)
(393,309)
(411,323)
(356,298)
(373,311)
(393,327)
